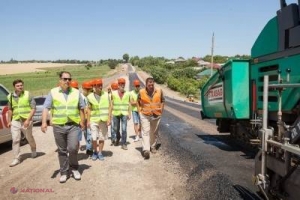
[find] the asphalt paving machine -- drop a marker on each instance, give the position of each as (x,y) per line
(258,102)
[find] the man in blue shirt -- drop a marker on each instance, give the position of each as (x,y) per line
(66,123)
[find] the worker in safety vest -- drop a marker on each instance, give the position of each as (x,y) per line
(74,84)
(121,111)
(87,88)
(21,108)
(98,117)
(114,86)
(67,120)
(151,106)
(135,114)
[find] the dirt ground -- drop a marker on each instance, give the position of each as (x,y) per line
(27,67)
(123,174)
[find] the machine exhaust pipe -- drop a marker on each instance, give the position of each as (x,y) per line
(283,4)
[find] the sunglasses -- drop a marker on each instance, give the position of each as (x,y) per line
(137,86)
(66,79)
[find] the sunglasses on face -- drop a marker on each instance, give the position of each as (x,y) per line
(137,86)
(66,79)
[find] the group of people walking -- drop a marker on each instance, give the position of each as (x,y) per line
(89,113)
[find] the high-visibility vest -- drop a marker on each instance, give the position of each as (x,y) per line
(134,96)
(21,109)
(150,106)
(99,111)
(120,106)
(62,109)
(85,100)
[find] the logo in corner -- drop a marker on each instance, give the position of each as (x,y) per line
(13,190)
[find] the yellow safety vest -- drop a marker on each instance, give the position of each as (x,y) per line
(99,111)
(120,106)
(62,110)
(21,109)
(134,96)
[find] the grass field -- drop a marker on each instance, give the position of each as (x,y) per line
(40,83)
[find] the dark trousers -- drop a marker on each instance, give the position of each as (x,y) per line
(66,139)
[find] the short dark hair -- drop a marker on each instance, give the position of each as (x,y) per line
(64,72)
(17,81)
(149,79)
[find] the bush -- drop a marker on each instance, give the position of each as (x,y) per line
(159,74)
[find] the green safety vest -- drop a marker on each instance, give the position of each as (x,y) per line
(134,96)
(21,109)
(62,110)
(120,106)
(99,111)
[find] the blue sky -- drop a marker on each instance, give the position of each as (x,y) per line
(99,29)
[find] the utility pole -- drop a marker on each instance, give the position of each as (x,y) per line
(212,54)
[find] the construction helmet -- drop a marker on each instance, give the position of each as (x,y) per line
(114,86)
(87,85)
(121,81)
(136,83)
(97,82)
(74,84)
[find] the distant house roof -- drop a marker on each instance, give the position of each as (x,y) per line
(216,66)
(196,59)
(202,62)
(170,62)
(180,60)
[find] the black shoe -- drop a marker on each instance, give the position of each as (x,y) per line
(146,154)
(117,143)
(113,142)
(89,152)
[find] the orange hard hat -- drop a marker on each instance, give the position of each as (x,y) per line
(74,84)
(97,82)
(136,82)
(87,85)
(114,86)
(121,81)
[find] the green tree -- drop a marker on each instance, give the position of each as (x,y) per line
(88,66)
(112,64)
(126,57)
(134,60)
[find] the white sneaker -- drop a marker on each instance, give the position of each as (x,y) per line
(14,162)
(76,174)
(137,138)
(63,178)
(34,154)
